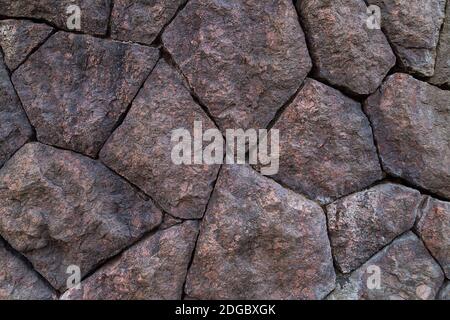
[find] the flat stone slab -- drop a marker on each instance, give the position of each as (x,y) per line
(361,224)
(94,14)
(142,20)
(404,270)
(18,38)
(153,269)
(15,130)
(18,281)
(59,209)
(75,88)
(243,59)
(346,53)
(259,240)
(141,149)
(326,145)
(411,122)
(412,27)
(433,227)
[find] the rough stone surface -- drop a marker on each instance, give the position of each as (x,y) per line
(142,20)
(412,27)
(322,126)
(444,294)
(411,121)
(433,227)
(140,149)
(407,272)
(442,68)
(18,281)
(153,269)
(260,241)
(346,53)
(15,130)
(244,59)
(76,87)
(362,224)
(94,13)
(59,208)
(18,38)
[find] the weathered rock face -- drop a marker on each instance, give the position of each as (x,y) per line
(433,227)
(59,208)
(141,148)
(244,59)
(442,68)
(322,126)
(18,38)
(444,294)
(411,121)
(362,224)
(15,130)
(142,20)
(346,53)
(77,101)
(94,13)
(406,272)
(18,281)
(260,241)
(153,269)
(412,27)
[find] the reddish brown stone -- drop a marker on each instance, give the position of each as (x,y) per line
(259,240)
(442,69)
(15,130)
(346,53)
(75,88)
(18,38)
(362,224)
(59,208)
(433,227)
(244,59)
(142,20)
(411,121)
(140,149)
(326,144)
(94,13)
(412,27)
(153,269)
(18,281)
(406,272)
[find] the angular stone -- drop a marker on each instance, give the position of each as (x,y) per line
(259,240)
(406,272)
(153,269)
(442,68)
(444,294)
(140,149)
(411,121)
(412,27)
(94,14)
(361,224)
(59,208)
(433,227)
(326,144)
(15,130)
(243,59)
(18,38)
(18,281)
(346,53)
(77,101)
(142,20)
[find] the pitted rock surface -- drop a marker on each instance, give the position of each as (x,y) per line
(59,209)
(75,88)
(244,59)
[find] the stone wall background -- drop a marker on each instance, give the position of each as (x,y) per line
(360,207)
